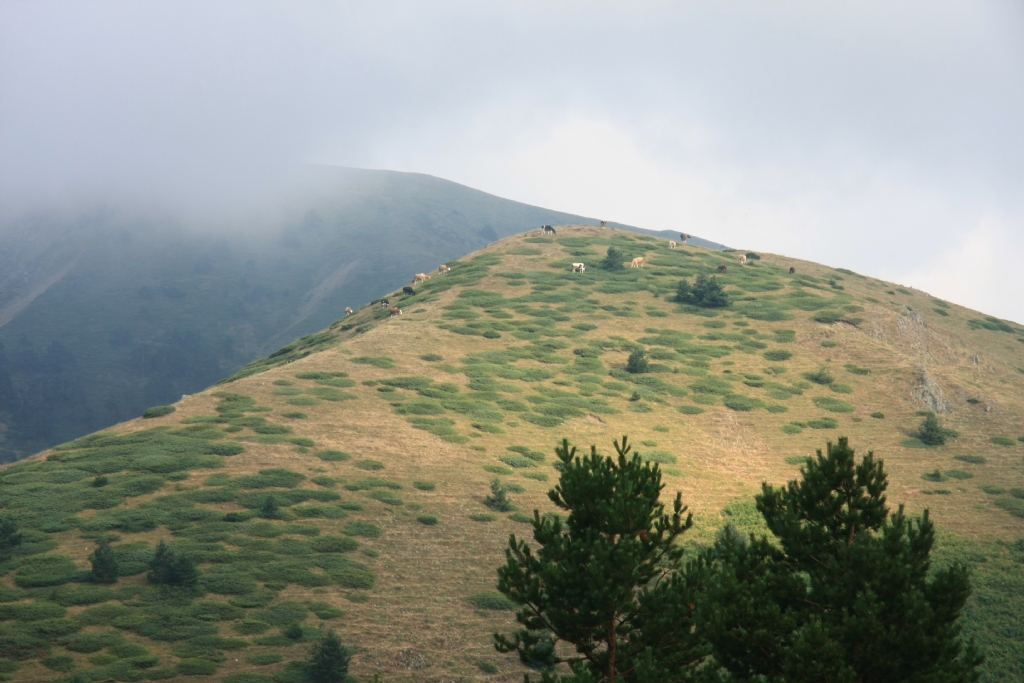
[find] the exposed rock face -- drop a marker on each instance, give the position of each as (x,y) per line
(928,393)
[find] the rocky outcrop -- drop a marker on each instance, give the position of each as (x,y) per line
(928,393)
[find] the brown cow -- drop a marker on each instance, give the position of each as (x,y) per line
(395,311)
(348,311)
(443,269)
(638,262)
(420,277)
(792,270)
(722,268)
(743,260)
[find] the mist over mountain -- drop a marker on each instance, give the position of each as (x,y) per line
(108,311)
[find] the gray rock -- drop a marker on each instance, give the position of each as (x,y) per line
(928,393)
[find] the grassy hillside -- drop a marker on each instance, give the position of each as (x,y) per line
(104,314)
(345,486)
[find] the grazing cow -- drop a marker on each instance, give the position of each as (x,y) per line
(638,262)
(683,236)
(348,311)
(722,268)
(792,270)
(548,230)
(743,260)
(395,311)
(671,244)
(443,269)
(420,277)
(579,268)
(408,290)
(384,303)
(604,224)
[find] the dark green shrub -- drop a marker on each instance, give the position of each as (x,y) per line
(248,677)
(429,520)
(424,485)
(517,461)
(158,411)
(614,260)
(372,465)
(1001,440)
(62,663)
(823,423)
(491,600)
(364,529)
(840,388)
(828,317)
(431,357)
(353,575)
(958,474)
(376,361)
(196,667)
(170,569)
(332,455)
(385,497)
(483,517)
(934,475)
(271,478)
(973,459)
(878,415)
(46,570)
(690,410)
(264,658)
(743,403)
(833,405)
(705,292)
(539,476)
(820,376)
(334,544)
(777,355)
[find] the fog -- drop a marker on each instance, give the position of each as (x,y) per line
(881,137)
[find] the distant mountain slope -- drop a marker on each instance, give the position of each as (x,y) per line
(342,480)
(106,313)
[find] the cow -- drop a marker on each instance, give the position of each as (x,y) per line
(638,262)
(384,303)
(743,260)
(348,310)
(722,268)
(579,268)
(604,224)
(408,290)
(443,269)
(395,311)
(671,244)
(683,236)
(548,230)
(420,277)
(792,270)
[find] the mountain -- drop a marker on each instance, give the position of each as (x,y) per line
(105,313)
(341,480)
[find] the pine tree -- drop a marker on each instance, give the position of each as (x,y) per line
(705,292)
(168,569)
(104,564)
(844,593)
(330,659)
(931,431)
(637,362)
(607,581)
(613,260)
(10,537)
(268,510)
(498,498)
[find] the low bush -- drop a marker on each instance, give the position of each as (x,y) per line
(264,658)
(431,357)
(422,485)
(661,457)
(972,459)
(539,476)
(958,474)
(742,403)
(934,475)
(820,376)
(248,677)
(196,667)
(491,600)
(46,570)
(1013,506)
(777,355)
(833,405)
(429,520)
(497,469)
(840,388)
(1002,440)
(517,461)
(878,415)
(791,429)
(823,423)
(385,497)
(483,517)
(62,663)
(332,455)
(364,529)
(158,411)
(690,410)
(376,361)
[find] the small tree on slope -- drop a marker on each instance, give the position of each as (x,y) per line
(844,594)
(104,564)
(606,581)
(329,659)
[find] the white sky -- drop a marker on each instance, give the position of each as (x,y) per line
(886,137)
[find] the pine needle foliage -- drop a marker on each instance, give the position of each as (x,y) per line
(329,659)
(705,292)
(170,569)
(613,260)
(844,592)
(498,497)
(932,433)
(607,580)
(104,564)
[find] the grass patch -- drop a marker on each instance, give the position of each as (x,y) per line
(483,517)
(332,455)
(382,362)
(364,529)
(1002,440)
(158,411)
(823,423)
(428,520)
(491,600)
(833,405)
(972,459)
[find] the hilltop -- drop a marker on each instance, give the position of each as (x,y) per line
(376,439)
(107,312)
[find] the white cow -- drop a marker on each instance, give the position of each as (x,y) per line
(671,244)
(578,268)
(743,260)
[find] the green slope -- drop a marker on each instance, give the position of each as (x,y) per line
(378,446)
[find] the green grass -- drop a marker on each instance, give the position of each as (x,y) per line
(1002,440)
(158,411)
(383,362)
(833,405)
(490,600)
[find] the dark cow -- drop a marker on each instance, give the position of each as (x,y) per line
(408,290)
(384,303)
(548,230)
(792,270)
(722,268)
(683,236)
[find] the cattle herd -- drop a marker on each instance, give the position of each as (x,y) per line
(443,269)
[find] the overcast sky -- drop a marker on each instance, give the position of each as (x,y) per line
(886,137)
